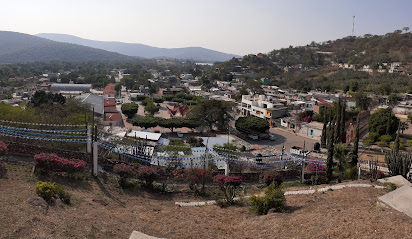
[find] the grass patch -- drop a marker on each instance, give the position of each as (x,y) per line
(391,187)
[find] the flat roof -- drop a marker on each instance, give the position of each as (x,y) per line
(144,135)
(96,101)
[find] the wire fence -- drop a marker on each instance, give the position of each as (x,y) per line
(152,154)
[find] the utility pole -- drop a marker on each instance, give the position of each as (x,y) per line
(303,164)
(281,156)
(95,152)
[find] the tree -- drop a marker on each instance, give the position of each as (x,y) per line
(118,88)
(130,109)
(377,122)
(324,136)
(340,155)
(338,122)
(41,97)
(145,122)
(195,141)
(212,113)
(392,99)
(342,122)
(354,86)
(404,126)
(171,123)
(254,86)
(250,124)
(356,143)
(151,108)
(362,101)
(329,161)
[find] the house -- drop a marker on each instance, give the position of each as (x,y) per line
(351,126)
(312,129)
(109,105)
(109,90)
(95,102)
(113,119)
(288,122)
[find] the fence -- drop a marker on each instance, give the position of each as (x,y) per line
(128,148)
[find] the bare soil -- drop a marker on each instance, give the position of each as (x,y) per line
(102,210)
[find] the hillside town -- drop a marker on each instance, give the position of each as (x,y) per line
(108,139)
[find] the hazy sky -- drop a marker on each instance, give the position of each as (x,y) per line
(232,26)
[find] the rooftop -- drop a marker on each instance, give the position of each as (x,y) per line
(109,89)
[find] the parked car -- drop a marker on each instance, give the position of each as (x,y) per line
(272,137)
(252,136)
(179,134)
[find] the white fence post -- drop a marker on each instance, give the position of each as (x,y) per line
(95,159)
(226,168)
(89,140)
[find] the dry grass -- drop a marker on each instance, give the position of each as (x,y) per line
(101,210)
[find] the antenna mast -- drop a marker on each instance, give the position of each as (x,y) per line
(353,24)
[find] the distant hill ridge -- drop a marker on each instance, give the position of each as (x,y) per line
(145,51)
(19,47)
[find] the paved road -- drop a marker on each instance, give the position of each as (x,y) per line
(289,139)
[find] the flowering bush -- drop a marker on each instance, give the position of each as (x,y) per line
(228,184)
(3,148)
(225,181)
(314,166)
(147,174)
(273,177)
(124,171)
(52,162)
(194,176)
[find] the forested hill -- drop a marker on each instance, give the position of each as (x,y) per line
(368,60)
(18,47)
(366,50)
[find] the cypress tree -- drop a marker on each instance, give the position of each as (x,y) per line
(323,137)
(338,121)
(329,162)
(356,143)
(342,122)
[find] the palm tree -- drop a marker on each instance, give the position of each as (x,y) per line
(404,126)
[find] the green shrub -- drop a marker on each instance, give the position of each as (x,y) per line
(392,186)
(409,143)
(350,173)
(386,138)
(48,190)
(273,198)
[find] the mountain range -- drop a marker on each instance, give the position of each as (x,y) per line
(19,47)
(145,51)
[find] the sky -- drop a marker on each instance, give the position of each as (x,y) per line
(232,26)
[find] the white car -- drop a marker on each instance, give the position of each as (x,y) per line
(179,134)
